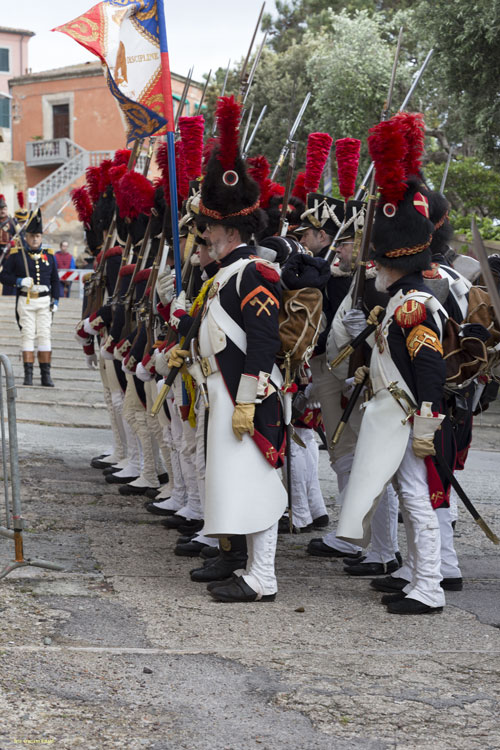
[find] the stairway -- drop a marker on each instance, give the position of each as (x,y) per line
(77,400)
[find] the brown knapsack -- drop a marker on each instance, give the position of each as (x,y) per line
(299,324)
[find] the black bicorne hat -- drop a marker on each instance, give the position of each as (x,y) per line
(34,224)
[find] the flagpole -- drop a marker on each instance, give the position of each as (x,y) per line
(168,111)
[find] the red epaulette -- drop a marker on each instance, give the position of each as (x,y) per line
(142,275)
(432,272)
(112,251)
(267,271)
(127,270)
(410,314)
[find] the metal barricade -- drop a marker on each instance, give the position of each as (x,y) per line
(13,514)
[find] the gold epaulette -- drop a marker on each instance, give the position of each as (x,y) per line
(87,277)
(50,251)
(410,314)
(13,250)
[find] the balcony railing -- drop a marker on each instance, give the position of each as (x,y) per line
(50,153)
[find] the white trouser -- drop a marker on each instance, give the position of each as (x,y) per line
(342,468)
(201,415)
(135,414)
(156,428)
(450,567)
(173,436)
(35,320)
(384,528)
(421,522)
(453,505)
(259,573)
(192,508)
(307,498)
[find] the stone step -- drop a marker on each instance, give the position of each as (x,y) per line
(64,413)
(71,375)
(82,396)
(59,349)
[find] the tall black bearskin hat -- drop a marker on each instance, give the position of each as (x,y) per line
(443,231)
(34,224)
(228,194)
(402,231)
(295,209)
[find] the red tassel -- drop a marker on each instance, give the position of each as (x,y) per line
(318,149)
(122,156)
(387,147)
(192,129)
(135,194)
(104,178)
(116,173)
(413,129)
(82,204)
(20,199)
(270,190)
(347,151)
(259,169)
(299,191)
(228,116)
(92,175)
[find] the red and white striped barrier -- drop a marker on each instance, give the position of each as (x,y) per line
(69,275)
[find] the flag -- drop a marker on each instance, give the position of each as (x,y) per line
(125,36)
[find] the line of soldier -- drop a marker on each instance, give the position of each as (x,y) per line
(211,459)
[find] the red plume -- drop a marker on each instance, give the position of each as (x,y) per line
(270,190)
(207,153)
(347,151)
(20,199)
(135,194)
(299,190)
(104,178)
(181,172)
(122,156)
(387,147)
(82,204)
(116,173)
(93,175)
(191,129)
(318,149)
(259,169)
(228,116)
(413,128)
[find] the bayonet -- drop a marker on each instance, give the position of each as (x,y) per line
(247,126)
(200,104)
(482,257)
(254,132)
(223,91)
(286,148)
(248,84)
(446,170)
(183,98)
(243,75)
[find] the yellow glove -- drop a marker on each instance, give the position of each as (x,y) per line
(361,374)
(176,356)
(423,447)
(372,319)
(243,415)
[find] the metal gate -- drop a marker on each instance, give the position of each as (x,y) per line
(14,523)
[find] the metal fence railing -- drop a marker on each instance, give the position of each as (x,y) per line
(14,523)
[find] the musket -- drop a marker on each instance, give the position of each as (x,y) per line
(183,98)
(362,187)
(191,334)
(254,68)
(349,349)
(347,412)
(283,227)
(248,145)
(149,302)
(482,257)
(243,75)
(290,137)
(446,170)
(200,104)
(223,91)
(463,497)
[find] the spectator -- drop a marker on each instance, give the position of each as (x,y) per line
(64,260)
(7,231)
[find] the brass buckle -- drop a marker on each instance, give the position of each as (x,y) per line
(206,367)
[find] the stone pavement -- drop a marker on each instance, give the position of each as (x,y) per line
(121,650)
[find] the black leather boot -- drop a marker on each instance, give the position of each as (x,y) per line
(28,373)
(45,373)
(232,556)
